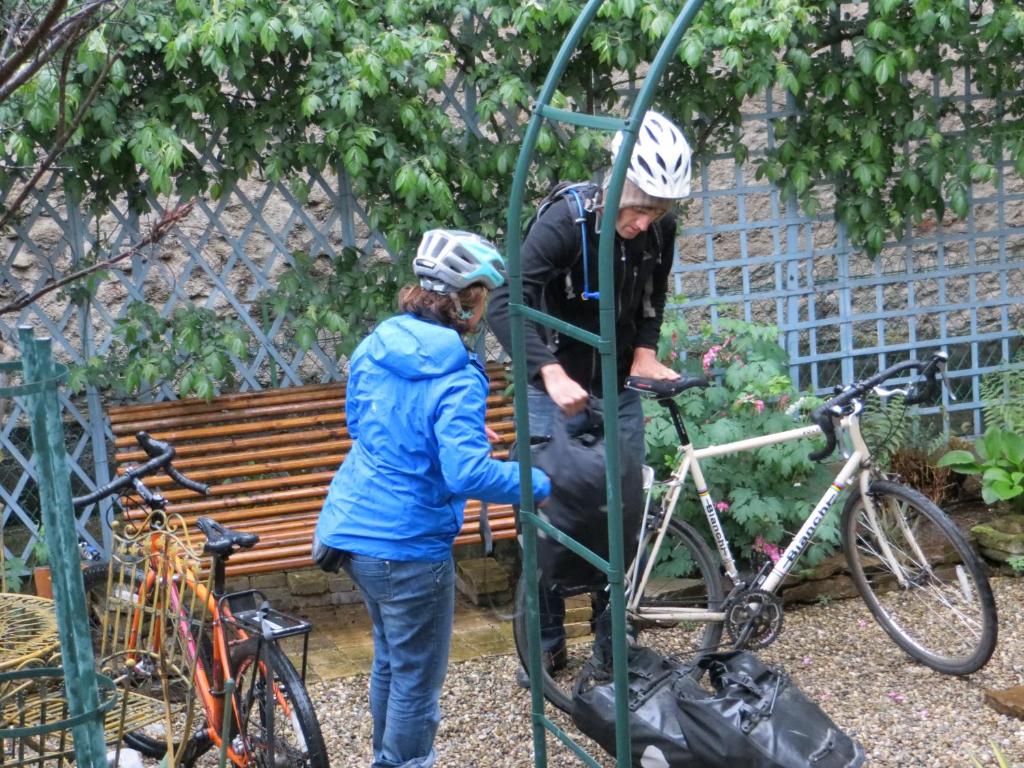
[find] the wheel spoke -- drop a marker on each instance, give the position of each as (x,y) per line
(686,574)
(920,578)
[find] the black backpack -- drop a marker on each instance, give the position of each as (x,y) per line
(582,197)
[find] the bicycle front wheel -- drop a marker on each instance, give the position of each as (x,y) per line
(129,640)
(920,578)
(280,728)
(686,575)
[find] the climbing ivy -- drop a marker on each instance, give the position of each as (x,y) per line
(281,87)
(278,89)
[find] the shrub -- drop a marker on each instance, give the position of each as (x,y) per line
(763,494)
(999,461)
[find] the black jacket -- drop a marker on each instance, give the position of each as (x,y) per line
(552,267)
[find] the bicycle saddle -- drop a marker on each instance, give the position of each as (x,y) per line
(661,388)
(221,540)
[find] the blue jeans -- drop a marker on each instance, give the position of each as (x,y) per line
(412,605)
(632,442)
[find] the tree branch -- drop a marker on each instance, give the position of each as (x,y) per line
(156,234)
(60,142)
(13,29)
(9,67)
(67,32)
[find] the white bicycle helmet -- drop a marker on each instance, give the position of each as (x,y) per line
(660,164)
(449,260)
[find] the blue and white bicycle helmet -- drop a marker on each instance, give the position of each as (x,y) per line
(660,164)
(449,260)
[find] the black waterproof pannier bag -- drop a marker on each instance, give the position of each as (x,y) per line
(753,716)
(578,505)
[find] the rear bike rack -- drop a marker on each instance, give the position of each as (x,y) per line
(250,610)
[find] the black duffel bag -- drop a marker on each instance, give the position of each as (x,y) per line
(578,505)
(755,717)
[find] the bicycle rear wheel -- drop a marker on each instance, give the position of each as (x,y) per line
(289,729)
(920,578)
(686,574)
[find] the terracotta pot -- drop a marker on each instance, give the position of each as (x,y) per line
(44,585)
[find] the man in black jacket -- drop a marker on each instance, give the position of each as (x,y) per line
(559,265)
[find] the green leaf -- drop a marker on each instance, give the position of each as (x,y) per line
(884,68)
(958,200)
(311,104)
(960,461)
(692,51)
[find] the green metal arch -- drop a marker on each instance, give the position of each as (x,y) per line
(604,343)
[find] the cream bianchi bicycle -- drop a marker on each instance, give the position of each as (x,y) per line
(914,568)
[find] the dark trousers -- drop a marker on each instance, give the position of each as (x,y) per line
(631,441)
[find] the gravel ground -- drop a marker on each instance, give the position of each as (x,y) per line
(904,714)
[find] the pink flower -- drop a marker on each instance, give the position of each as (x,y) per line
(899,698)
(759,405)
(710,356)
(722,506)
(767,548)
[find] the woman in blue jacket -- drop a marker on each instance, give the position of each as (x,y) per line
(415,405)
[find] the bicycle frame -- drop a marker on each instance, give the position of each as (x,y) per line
(857,462)
(169,570)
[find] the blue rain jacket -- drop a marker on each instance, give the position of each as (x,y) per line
(415,405)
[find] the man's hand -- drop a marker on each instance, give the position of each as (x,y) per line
(566,393)
(492,436)
(647,366)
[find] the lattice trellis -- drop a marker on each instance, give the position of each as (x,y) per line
(953,285)
(742,249)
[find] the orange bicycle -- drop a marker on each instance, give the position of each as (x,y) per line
(164,626)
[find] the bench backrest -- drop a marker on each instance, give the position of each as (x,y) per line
(269,457)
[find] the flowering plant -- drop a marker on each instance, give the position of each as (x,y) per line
(762,496)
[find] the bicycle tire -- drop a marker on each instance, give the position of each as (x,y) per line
(304,743)
(94,579)
(944,615)
(695,564)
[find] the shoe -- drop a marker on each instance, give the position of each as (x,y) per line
(553,661)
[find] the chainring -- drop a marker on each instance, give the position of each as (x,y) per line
(753,619)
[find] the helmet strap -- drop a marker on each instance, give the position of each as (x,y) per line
(463,314)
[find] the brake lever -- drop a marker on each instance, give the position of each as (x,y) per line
(944,382)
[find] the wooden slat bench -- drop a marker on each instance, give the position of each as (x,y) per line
(269,457)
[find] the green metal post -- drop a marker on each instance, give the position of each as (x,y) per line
(605,344)
(62,541)
(519,377)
